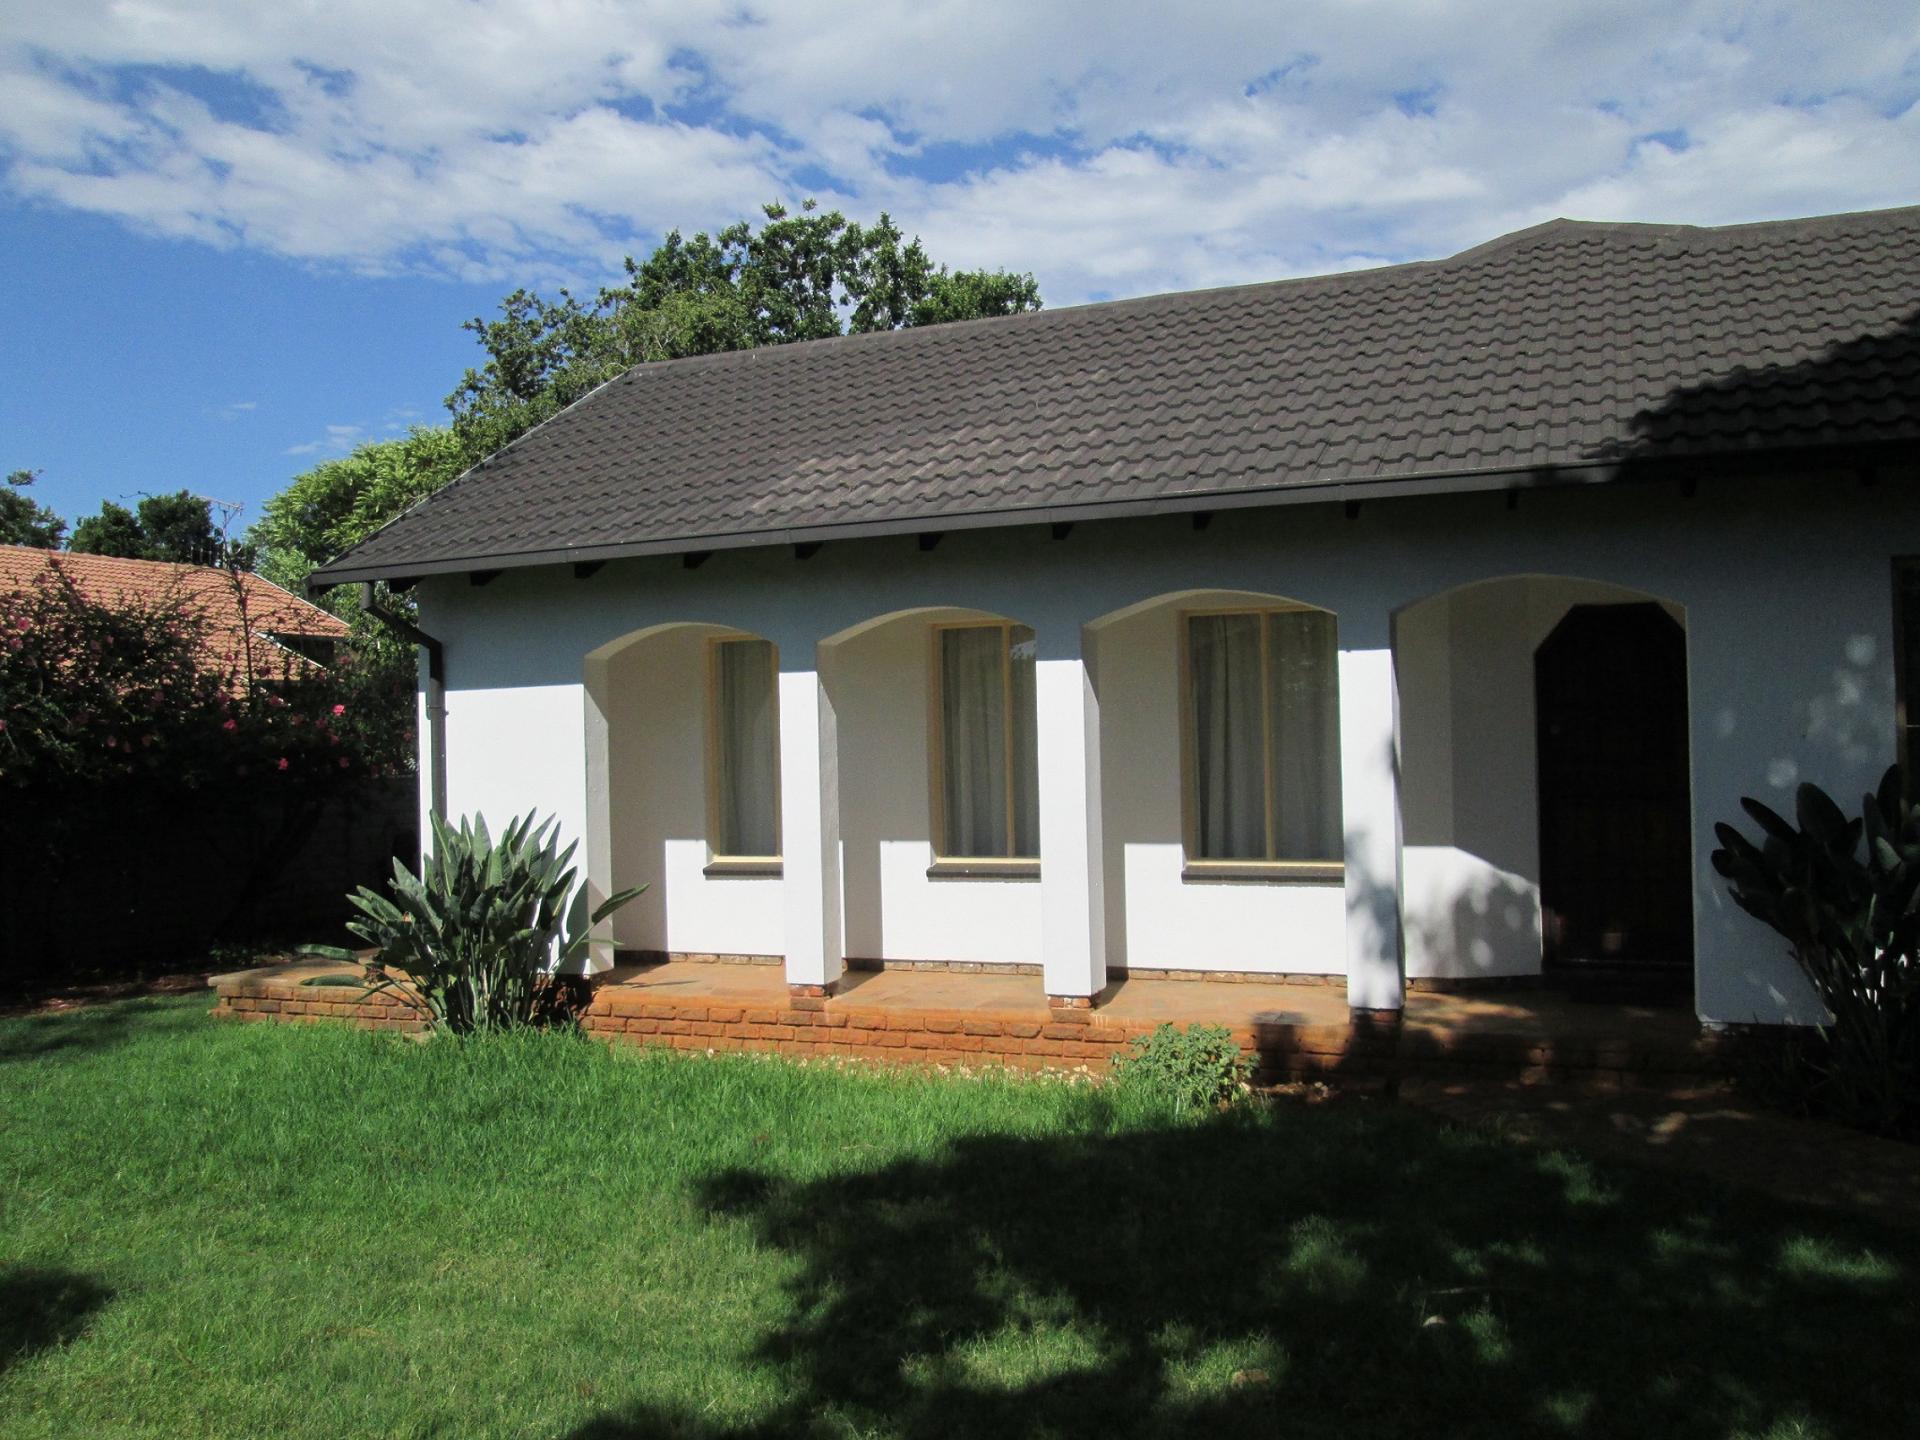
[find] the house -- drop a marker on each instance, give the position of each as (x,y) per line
(1404,627)
(249,625)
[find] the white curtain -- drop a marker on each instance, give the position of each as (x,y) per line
(747,737)
(1304,703)
(973,740)
(1025,720)
(1223,653)
(987,704)
(1258,726)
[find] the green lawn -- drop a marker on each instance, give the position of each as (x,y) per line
(215,1229)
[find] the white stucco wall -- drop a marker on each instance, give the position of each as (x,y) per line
(657,808)
(1470,787)
(1784,585)
(1156,918)
(894,910)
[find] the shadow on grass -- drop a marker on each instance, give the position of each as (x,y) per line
(1340,1273)
(89,1028)
(41,1309)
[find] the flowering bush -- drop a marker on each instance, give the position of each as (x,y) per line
(92,695)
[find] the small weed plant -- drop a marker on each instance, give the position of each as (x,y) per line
(1197,1068)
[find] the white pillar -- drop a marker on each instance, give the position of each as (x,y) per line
(1073,930)
(1370,786)
(595,858)
(810,830)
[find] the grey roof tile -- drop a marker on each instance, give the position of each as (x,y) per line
(1570,344)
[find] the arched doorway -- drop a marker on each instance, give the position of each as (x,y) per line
(1610,707)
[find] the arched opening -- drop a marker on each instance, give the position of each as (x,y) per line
(939,788)
(1221,791)
(686,781)
(1545,806)
(1610,714)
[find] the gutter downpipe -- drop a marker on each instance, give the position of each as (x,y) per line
(435,748)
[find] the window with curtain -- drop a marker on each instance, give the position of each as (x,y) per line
(743,749)
(1263,718)
(986,750)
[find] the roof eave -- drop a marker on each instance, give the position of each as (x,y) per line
(1330,490)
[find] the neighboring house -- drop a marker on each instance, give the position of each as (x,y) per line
(291,638)
(1412,624)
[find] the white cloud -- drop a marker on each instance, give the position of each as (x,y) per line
(338,440)
(1110,147)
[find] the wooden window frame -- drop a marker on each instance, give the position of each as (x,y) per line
(720,863)
(1272,868)
(980,867)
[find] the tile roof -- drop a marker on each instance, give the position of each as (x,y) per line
(1571,345)
(201,590)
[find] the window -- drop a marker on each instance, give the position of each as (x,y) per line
(986,780)
(743,748)
(1262,717)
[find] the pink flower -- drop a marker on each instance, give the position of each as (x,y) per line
(230,725)
(343,762)
(339,709)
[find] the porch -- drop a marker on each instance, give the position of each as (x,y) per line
(1219,781)
(1292,1031)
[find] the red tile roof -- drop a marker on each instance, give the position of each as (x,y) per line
(200,589)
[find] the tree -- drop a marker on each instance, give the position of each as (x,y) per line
(24,521)
(176,527)
(114,531)
(179,527)
(328,510)
(804,276)
(337,504)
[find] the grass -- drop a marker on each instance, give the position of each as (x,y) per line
(224,1230)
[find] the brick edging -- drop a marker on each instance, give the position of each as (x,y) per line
(1056,1039)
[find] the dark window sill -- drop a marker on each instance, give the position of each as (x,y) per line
(983,869)
(1268,872)
(726,867)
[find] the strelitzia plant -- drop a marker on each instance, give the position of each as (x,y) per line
(476,940)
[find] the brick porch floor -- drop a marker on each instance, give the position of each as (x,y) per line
(1292,1031)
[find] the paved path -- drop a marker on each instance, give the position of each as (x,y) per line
(1711,1130)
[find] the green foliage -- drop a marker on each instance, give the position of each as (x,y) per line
(94,695)
(476,941)
(24,521)
(324,512)
(1191,1069)
(808,275)
(176,527)
(1845,893)
(114,531)
(327,510)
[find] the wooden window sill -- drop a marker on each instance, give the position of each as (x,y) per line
(983,869)
(741,866)
(1285,872)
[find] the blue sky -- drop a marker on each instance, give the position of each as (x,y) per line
(239,238)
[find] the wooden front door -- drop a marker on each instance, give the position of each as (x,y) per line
(1616,884)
